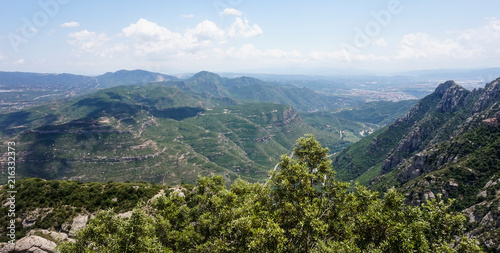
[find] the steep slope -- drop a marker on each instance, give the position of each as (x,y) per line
(439,116)
(152,133)
(449,145)
(465,168)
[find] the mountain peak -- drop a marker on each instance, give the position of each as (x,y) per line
(205,75)
(442,88)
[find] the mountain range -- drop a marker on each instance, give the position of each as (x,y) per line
(143,126)
(174,131)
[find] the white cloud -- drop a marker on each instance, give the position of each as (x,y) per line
(241,28)
(93,43)
(187,16)
(147,30)
(19,62)
(422,46)
(485,38)
(205,31)
(231,12)
(151,38)
(2,56)
(70,24)
(486,33)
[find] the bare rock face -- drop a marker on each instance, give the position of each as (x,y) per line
(442,88)
(57,237)
(125,215)
(32,244)
(491,93)
(79,222)
(453,98)
(416,167)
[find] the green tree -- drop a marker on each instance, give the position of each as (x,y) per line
(109,233)
(302,209)
(307,201)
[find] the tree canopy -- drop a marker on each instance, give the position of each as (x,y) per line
(302,208)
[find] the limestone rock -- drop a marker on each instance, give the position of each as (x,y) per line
(79,222)
(32,244)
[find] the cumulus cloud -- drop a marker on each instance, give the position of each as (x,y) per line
(146,30)
(205,31)
(93,43)
(87,40)
(487,33)
(422,46)
(231,12)
(70,24)
(151,38)
(477,43)
(242,28)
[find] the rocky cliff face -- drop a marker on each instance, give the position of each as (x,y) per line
(453,98)
(454,152)
(458,110)
(481,107)
(447,145)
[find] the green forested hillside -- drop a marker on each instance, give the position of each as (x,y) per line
(247,89)
(378,112)
(53,204)
(153,133)
(302,208)
(353,123)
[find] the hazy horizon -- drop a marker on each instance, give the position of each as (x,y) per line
(314,37)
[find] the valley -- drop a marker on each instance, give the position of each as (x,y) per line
(170,133)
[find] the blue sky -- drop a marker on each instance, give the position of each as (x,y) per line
(92,37)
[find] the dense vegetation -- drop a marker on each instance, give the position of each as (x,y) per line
(172,133)
(302,208)
(54,203)
(378,112)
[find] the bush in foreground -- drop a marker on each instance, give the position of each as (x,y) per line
(302,208)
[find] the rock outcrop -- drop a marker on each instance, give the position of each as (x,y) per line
(32,244)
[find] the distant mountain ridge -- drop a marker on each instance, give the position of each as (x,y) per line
(22,89)
(33,88)
(247,89)
(129,77)
(18,80)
